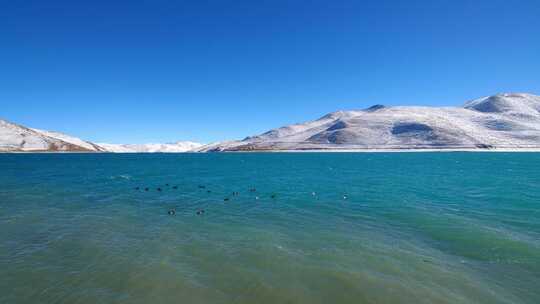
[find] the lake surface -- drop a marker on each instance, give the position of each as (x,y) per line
(326,228)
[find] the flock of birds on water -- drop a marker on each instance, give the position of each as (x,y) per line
(202,187)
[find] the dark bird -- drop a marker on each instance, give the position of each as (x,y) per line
(171,212)
(159,189)
(175,187)
(137,188)
(145,189)
(226,199)
(200,212)
(202,187)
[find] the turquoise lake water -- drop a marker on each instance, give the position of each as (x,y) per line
(326,228)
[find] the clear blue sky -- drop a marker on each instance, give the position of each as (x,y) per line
(160,71)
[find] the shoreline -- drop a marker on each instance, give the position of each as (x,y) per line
(397,150)
(383,150)
(401,150)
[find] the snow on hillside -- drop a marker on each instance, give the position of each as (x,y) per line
(181,146)
(14,137)
(499,121)
(510,121)
(17,138)
(70,139)
(509,104)
(115,148)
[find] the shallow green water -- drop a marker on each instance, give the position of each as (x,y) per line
(413,228)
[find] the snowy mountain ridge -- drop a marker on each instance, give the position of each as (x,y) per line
(17,138)
(507,121)
(502,121)
(180,146)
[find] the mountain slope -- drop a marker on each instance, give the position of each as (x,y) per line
(17,138)
(499,121)
(14,137)
(72,140)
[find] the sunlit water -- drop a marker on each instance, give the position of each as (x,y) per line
(342,228)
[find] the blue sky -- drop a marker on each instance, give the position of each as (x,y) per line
(161,71)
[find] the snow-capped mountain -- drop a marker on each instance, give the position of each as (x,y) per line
(501,121)
(181,146)
(510,121)
(14,137)
(17,138)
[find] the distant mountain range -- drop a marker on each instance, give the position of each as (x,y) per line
(17,138)
(180,146)
(502,121)
(508,121)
